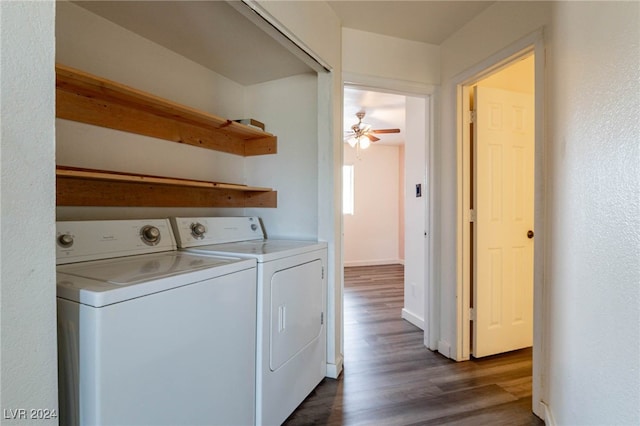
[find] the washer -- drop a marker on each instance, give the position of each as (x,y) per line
(291,346)
(148,335)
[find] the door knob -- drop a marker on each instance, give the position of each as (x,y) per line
(529,234)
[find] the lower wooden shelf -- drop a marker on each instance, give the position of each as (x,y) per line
(86,187)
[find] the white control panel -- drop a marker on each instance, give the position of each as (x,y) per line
(78,241)
(200,231)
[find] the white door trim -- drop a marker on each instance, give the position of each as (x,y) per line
(381,84)
(533,43)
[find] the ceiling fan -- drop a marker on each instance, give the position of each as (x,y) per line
(362,134)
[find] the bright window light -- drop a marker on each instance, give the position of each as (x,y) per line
(347,189)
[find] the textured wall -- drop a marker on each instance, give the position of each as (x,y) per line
(27,262)
(593,260)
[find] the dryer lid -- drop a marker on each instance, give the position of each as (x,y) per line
(263,250)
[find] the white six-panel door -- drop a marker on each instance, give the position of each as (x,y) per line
(503,246)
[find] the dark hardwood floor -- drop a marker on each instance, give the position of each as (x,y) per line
(390,378)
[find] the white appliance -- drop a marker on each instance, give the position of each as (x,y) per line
(149,335)
(291,357)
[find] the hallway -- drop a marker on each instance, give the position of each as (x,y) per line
(390,378)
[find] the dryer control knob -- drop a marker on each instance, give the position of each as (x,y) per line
(254,226)
(65,240)
(198,230)
(150,234)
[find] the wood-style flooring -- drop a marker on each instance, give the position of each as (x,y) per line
(390,378)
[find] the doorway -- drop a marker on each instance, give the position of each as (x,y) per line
(501,132)
(530,46)
(518,74)
(418,291)
(372,173)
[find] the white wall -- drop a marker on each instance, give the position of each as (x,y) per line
(593,188)
(415,210)
(27,221)
(289,106)
(592,244)
(382,56)
(401,201)
(371,234)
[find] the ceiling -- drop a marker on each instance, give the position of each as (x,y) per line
(210,33)
(217,36)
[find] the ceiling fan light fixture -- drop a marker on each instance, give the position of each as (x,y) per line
(364,142)
(362,136)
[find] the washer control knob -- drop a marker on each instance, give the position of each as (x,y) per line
(198,230)
(254,226)
(150,234)
(65,240)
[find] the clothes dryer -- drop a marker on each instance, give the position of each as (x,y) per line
(148,334)
(291,346)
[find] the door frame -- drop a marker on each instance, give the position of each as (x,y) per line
(531,44)
(428,92)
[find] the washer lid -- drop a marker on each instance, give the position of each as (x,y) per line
(103,282)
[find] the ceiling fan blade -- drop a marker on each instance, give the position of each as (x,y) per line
(385,131)
(372,138)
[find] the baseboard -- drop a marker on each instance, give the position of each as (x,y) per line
(334,370)
(413,319)
(548,416)
(348,263)
(444,348)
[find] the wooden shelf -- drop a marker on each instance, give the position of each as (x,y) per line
(85,187)
(94,100)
